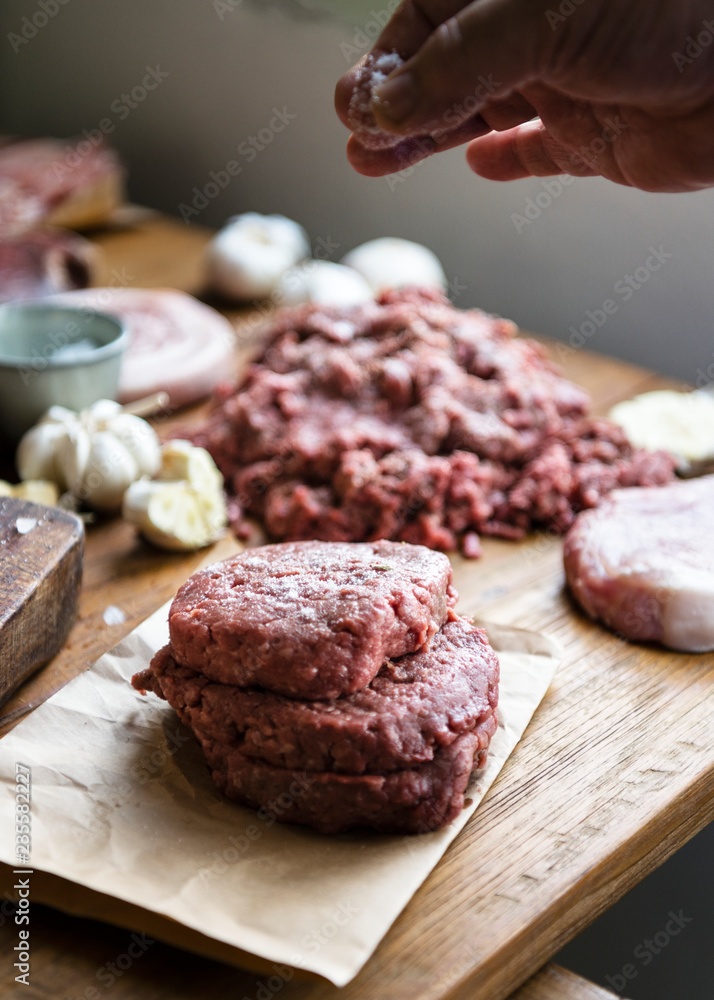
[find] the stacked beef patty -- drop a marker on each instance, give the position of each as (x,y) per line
(331,683)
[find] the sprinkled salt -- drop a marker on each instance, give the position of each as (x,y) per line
(113,615)
(25,524)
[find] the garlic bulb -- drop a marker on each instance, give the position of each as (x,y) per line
(324,283)
(391,262)
(247,258)
(95,454)
(183,508)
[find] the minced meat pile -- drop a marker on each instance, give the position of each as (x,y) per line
(411,420)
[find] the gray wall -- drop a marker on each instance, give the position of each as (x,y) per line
(231,62)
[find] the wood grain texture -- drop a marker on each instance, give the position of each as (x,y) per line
(615,772)
(41,552)
(556,983)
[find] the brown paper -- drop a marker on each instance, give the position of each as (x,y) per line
(123,806)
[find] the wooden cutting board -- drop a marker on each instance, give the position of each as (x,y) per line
(41,554)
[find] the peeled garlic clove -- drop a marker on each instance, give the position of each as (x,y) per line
(173,515)
(248,256)
(109,471)
(391,262)
(6,490)
(37,491)
(36,456)
(182,460)
(324,283)
(140,440)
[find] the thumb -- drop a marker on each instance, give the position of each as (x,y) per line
(487,50)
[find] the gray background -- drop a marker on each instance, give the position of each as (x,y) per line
(229,65)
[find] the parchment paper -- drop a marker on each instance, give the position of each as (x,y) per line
(122,804)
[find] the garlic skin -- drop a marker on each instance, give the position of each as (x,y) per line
(183,508)
(323,283)
(391,262)
(247,258)
(95,454)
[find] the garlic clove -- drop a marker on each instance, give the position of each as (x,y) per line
(109,470)
(174,515)
(72,448)
(37,491)
(324,283)
(37,452)
(6,489)
(246,259)
(390,262)
(99,414)
(59,415)
(140,440)
(182,460)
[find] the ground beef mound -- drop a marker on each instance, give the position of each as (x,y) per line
(310,619)
(412,420)
(415,705)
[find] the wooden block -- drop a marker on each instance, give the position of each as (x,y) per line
(41,553)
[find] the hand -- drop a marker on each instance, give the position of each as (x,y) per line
(621,90)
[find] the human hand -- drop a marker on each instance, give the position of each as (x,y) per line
(539,87)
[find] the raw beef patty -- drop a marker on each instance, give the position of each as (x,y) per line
(310,619)
(415,706)
(642,563)
(413,800)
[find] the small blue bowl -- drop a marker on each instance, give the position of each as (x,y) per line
(52,354)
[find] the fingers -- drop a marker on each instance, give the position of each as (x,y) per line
(528,150)
(411,150)
(405,33)
(413,22)
(484,52)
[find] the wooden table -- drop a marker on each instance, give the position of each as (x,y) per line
(615,772)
